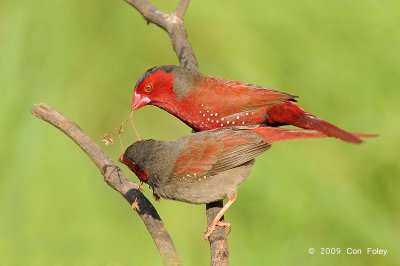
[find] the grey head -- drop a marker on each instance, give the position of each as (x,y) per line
(156,158)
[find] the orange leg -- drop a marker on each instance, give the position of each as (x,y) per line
(217,218)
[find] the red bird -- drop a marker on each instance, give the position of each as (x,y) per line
(205,103)
(206,166)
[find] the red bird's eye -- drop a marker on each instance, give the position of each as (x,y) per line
(148,87)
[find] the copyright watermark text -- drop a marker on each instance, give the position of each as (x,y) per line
(348,251)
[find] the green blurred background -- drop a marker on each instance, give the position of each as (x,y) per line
(83,58)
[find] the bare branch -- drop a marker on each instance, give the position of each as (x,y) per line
(173,24)
(116,179)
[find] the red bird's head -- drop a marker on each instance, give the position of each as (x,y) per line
(153,86)
(162,86)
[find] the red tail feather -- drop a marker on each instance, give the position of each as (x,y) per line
(288,113)
(275,134)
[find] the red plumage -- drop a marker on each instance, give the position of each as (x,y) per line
(205,103)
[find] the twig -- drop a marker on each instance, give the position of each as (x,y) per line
(116,179)
(173,24)
(181,8)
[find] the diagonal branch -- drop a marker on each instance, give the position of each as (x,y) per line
(116,179)
(172,23)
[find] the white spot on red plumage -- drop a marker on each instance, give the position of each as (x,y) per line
(208,119)
(212,114)
(216,114)
(233,122)
(217,121)
(243,123)
(207,111)
(202,105)
(247,113)
(212,120)
(204,115)
(228,122)
(222,125)
(222,119)
(200,111)
(237,117)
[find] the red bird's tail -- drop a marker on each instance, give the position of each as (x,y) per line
(275,134)
(288,113)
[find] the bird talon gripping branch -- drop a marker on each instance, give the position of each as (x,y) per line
(213,226)
(209,231)
(141,187)
(156,197)
(228,226)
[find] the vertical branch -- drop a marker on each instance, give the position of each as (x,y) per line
(172,23)
(218,241)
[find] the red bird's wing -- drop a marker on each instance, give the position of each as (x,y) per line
(244,96)
(208,153)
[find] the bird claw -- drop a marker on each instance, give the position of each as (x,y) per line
(226,225)
(156,197)
(214,225)
(141,188)
(209,231)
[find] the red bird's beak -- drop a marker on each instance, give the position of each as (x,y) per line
(139,101)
